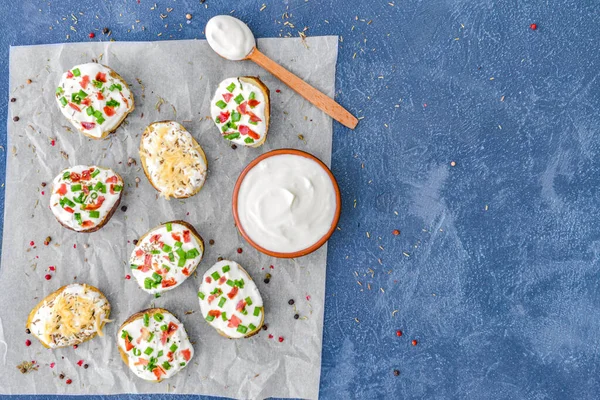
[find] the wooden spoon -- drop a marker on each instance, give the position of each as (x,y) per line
(316,97)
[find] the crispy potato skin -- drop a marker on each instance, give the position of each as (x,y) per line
(52,296)
(197,147)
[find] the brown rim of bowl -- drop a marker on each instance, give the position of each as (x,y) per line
(320,242)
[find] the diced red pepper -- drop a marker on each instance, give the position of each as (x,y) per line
(87,224)
(86,102)
(85,176)
(224,116)
(227,97)
(211,298)
(85,189)
(112,179)
(186,237)
(169,332)
(240,305)
(170,356)
(185,271)
(128,345)
(75,177)
(101,76)
(234,321)
(242,108)
(253,103)
(215,313)
(176,236)
(155,238)
(62,190)
(243,129)
(187,354)
(208,280)
(222,280)
(100,96)
(74,106)
(95,206)
(69,74)
(254,117)
(109,111)
(168,282)
(158,372)
(84,81)
(111,189)
(147,263)
(233,292)
(139,252)
(88,125)
(253,134)
(69,210)
(141,361)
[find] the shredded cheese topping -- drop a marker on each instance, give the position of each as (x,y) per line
(174,164)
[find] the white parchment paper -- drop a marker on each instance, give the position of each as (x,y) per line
(170,80)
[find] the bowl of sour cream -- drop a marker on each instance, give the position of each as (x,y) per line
(286,203)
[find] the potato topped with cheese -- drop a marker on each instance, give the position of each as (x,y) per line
(71,315)
(173,161)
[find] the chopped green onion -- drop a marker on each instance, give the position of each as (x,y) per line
(82,94)
(94,214)
(76,188)
(69,202)
(148,350)
(232,136)
(117,188)
(146,319)
(164,327)
(253,123)
(239,283)
(222,302)
(112,103)
(244,311)
(151,336)
(160,353)
(157,278)
(100,120)
(63,101)
(95,173)
(182,363)
(251,327)
(235,116)
(76,72)
(231,87)
(242,329)
(137,352)
(249,140)
(78,218)
(210,318)
(230,282)
(133,266)
(98,114)
(252,96)
(148,283)
(124,334)
(224,316)
(97,84)
(155,251)
(221,104)
(173,348)
(115,86)
(166,248)
(159,317)
(178,244)
(166,365)
(169,227)
(201,295)
(193,253)
(248,301)
(67,175)
(256,311)
(239,98)
(226,268)
(171,257)
(215,275)
(218,120)
(89,110)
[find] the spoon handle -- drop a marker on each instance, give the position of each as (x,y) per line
(319,99)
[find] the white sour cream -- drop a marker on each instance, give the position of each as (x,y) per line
(286,203)
(229,37)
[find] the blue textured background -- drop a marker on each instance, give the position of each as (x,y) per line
(495,272)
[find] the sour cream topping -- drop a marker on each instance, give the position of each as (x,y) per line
(229,37)
(286,203)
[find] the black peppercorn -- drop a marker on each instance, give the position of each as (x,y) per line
(233,146)
(62,376)
(105,30)
(211,242)
(135,242)
(291,302)
(15,119)
(85,366)
(220,259)
(124,208)
(264,327)
(267,280)
(296,316)
(27,331)
(396,372)
(12,100)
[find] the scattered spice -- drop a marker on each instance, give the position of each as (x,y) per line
(270,336)
(47,240)
(27,331)
(239,250)
(291,302)
(135,242)
(43,184)
(414,342)
(188,16)
(68,381)
(85,366)
(296,316)
(264,327)
(280,339)
(128,277)
(16,119)
(396,372)
(278,91)
(28,343)
(28,81)
(398,333)
(52,268)
(105,30)
(80,363)
(61,376)
(28,366)
(92,35)
(75,346)
(12,100)
(124,208)
(395,232)
(533,27)
(211,242)
(453,163)
(267,278)
(52,365)
(48,277)
(32,243)
(131,161)
(233,146)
